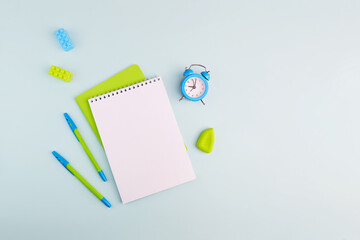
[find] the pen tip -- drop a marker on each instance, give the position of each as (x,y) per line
(102,175)
(106,202)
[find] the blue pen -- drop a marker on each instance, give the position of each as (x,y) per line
(83,144)
(81,178)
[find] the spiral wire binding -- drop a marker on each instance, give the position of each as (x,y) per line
(124,89)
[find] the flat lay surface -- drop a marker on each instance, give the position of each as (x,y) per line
(283,102)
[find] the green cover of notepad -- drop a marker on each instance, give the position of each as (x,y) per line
(131,75)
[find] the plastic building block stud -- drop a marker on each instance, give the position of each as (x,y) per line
(64,39)
(60,73)
(206,140)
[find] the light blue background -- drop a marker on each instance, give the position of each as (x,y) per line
(284,102)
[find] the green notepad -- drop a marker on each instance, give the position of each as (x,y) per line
(131,75)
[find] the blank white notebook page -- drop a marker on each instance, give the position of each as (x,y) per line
(142,140)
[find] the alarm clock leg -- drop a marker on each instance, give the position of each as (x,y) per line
(181,98)
(202,101)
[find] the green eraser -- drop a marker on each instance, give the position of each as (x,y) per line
(206,140)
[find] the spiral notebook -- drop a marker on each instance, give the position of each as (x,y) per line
(141,139)
(130,75)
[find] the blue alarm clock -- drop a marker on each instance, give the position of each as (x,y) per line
(195,86)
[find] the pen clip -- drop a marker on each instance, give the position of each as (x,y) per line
(61,160)
(71,124)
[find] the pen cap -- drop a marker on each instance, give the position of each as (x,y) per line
(60,158)
(70,121)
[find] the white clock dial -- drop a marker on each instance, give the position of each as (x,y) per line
(195,87)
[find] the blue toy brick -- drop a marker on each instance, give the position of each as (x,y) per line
(64,39)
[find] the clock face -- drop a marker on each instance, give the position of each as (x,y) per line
(195,87)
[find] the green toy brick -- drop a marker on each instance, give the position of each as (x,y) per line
(60,73)
(206,140)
